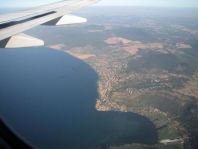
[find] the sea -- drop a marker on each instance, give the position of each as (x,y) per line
(48,98)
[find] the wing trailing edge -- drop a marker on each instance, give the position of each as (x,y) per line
(12,25)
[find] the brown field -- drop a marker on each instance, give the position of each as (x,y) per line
(132,47)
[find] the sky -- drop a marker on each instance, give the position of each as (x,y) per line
(154,3)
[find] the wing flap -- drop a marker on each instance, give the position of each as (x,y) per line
(67,20)
(22,40)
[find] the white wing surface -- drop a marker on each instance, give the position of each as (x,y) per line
(13,24)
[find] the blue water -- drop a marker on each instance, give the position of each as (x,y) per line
(48,98)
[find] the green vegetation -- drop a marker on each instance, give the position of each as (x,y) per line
(179,64)
(140,146)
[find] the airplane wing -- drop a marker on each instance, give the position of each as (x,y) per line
(12,25)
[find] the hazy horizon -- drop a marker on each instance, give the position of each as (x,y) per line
(145,3)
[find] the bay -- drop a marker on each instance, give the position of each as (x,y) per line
(48,98)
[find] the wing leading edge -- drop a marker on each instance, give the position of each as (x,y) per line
(13,24)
